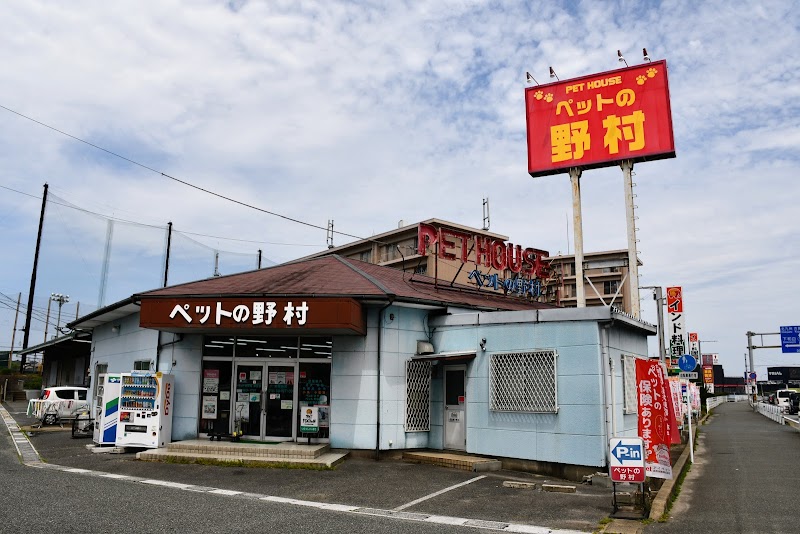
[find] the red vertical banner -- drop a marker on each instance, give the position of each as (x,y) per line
(655,417)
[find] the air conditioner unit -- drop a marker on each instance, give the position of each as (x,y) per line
(423,347)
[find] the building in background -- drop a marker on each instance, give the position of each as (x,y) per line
(454,254)
(607,282)
(606,279)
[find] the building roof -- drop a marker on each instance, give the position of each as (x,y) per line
(336,276)
(387,237)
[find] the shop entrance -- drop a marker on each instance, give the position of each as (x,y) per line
(259,385)
(265,399)
(455,424)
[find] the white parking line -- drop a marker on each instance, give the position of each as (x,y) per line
(388,514)
(437,493)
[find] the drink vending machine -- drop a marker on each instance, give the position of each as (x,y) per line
(145,409)
(106,409)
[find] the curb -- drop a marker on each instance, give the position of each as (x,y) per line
(659,504)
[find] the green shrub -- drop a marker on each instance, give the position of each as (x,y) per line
(32,382)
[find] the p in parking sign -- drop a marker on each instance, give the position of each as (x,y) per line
(626,461)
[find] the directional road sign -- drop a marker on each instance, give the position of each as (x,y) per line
(790,339)
(687,362)
(627,459)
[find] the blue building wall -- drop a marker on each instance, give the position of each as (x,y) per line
(119,350)
(354,386)
(578,434)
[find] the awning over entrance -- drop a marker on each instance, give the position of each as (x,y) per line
(447,357)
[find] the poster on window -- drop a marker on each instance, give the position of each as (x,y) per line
(654,417)
(324,416)
(211,381)
(209,407)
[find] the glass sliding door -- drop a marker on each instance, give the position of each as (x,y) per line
(248,403)
(279,402)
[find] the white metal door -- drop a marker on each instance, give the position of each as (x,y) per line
(455,420)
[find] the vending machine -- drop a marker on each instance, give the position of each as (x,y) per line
(145,409)
(106,409)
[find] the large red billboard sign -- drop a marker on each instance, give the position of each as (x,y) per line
(599,120)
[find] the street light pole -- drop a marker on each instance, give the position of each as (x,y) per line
(60,299)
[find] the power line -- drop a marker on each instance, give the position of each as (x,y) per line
(183,182)
(68,204)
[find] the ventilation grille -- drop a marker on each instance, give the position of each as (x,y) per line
(418,396)
(523,382)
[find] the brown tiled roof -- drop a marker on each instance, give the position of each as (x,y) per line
(335,276)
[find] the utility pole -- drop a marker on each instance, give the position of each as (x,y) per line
(14,331)
(658,296)
(28,312)
(47,320)
(61,299)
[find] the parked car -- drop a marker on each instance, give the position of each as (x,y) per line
(59,402)
(782,398)
(794,404)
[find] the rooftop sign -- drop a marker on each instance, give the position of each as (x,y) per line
(600,120)
(482,250)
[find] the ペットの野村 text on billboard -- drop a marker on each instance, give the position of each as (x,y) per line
(599,120)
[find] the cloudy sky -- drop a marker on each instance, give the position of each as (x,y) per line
(368,113)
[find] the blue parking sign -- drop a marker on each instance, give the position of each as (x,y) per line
(790,339)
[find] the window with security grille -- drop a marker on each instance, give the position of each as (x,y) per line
(418,396)
(629,382)
(523,382)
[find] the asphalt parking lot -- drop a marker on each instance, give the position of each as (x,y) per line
(364,482)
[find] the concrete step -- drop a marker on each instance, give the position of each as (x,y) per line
(325,460)
(239,449)
(467,462)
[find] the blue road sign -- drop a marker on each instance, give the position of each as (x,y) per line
(790,339)
(687,363)
(627,453)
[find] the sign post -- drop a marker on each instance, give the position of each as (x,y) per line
(687,362)
(627,464)
(309,420)
(626,460)
(790,339)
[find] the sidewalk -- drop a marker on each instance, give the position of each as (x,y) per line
(386,486)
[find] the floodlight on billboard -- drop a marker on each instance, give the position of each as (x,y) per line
(600,120)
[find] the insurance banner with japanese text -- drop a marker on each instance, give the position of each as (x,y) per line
(655,418)
(598,120)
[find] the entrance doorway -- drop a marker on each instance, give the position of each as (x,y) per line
(263,383)
(455,423)
(265,399)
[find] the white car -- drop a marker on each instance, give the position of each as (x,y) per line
(59,402)
(782,398)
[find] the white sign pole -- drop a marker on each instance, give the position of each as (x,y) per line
(577,228)
(689,416)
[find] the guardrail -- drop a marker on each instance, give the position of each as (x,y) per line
(770,411)
(713,402)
